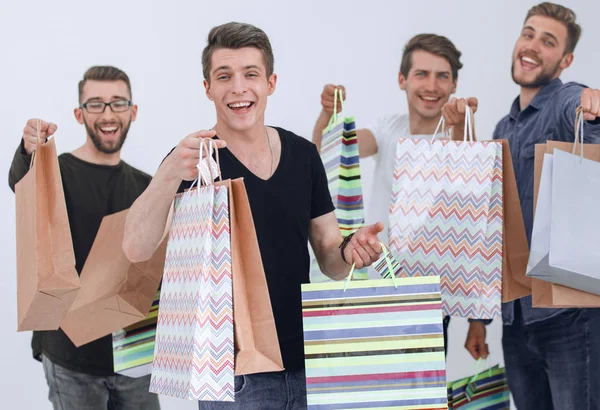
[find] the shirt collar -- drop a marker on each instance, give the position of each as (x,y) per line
(540,98)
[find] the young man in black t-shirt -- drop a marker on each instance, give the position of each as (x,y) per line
(96,183)
(289,199)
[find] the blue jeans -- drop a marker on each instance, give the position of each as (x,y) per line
(554,364)
(265,391)
(70,390)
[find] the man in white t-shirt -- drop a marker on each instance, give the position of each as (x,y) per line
(428,74)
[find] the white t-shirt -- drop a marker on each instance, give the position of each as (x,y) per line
(386,130)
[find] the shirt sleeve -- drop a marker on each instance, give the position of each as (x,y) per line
(568,101)
(380,130)
(19,166)
(321,203)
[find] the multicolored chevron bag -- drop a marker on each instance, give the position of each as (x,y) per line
(194,350)
(446,217)
(339,153)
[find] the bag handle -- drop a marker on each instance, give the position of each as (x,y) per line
(468,124)
(388,260)
(337,95)
(207,166)
(441,127)
(579,131)
(38,143)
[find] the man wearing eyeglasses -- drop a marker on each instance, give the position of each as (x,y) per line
(96,183)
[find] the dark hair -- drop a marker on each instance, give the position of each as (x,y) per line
(434,44)
(235,36)
(563,15)
(104,73)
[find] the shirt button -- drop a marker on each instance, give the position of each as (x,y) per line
(519,124)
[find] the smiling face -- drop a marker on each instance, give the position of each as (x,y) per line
(239,87)
(107,130)
(540,52)
(428,85)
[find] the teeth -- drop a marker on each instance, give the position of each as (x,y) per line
(430,98)
(108,129)
(239,105)
(529,60)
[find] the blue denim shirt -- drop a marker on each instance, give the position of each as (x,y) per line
(549,116)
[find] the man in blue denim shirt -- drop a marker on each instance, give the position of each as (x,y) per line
(552,356)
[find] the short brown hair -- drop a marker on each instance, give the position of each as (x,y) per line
(104,73)
(563,15)
(434,44)
(234,36)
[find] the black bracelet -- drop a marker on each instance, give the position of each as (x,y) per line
(343,245)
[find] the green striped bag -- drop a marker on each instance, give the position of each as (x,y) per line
(339,153)
(133,347)
(486,390)
(374,343)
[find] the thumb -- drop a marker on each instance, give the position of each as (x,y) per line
(51,128)
(375,228)
(473,103)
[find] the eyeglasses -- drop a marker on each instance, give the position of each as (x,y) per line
(98,107)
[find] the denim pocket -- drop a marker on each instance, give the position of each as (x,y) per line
(239,383)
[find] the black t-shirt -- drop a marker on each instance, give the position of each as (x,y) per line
(91,192)
(282,208)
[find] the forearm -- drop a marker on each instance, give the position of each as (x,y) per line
(320,125)
(147,218)
(332,264)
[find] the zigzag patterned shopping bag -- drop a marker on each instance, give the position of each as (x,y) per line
(194,352)
(446,219)
(339,152)
(374,343)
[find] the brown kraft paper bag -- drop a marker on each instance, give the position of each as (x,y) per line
(256,343)
(47,281)
(515,283)
(115,293)
(545,294)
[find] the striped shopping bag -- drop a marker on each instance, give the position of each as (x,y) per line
(486,390)
(374,344)
(339,153)
(133,347)
(446,217)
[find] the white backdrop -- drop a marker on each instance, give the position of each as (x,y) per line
(46,47)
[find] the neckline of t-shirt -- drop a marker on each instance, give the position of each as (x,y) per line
(252,174)
(91,164)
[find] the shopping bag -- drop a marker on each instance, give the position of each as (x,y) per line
(565,235)
(339,153)
(546,294)
(133,347)
(256,342)
(115,293)
(47,281)
(194,348)
(515,248)
(374,343)
(485,390)
(446,219)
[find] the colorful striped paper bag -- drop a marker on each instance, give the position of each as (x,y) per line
(133,347)
(339,152)
(377,344)
(487,390)
(194,351)
(446,217)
